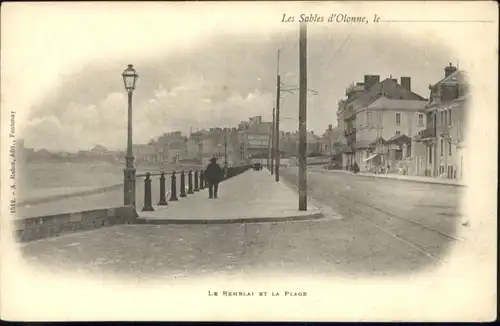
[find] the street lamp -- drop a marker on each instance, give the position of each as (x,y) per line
(129,79)
(219,151)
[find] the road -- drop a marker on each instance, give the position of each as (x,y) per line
(365,241)
(426,216)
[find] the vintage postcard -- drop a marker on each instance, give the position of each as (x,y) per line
(249,161)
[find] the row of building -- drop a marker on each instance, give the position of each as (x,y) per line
(249,140)
(385,125)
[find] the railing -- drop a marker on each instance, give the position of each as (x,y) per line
(349,132)
(196,181)
(428,133)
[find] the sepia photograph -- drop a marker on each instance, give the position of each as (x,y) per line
(238,161)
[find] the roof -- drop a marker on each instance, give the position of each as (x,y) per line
(311,138)
(362,144)
(387,103)
(260,128)
(387,88)
(335,133)
(399,140)
(98,148)
(142,145)
(379,140)
(389,85)
(344,148)
(459,76)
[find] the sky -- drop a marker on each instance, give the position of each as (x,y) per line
(216,79)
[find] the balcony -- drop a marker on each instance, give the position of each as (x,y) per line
(349,132)
(427,133)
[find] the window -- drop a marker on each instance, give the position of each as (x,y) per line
(449,117)
(368,118)
(398,133)
(430,154)
(398,119)
(420,119)
(441,150)
(449,148)
(445,117)
(442,117)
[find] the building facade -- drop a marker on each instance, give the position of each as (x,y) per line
(329,141)
(289,144)
(441,145)
(375,111)
(254,138)
(144,153)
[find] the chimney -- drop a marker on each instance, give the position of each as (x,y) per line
(330,127)
(449,70)
(406,83)
(371,80)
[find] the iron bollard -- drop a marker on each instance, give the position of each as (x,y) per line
(183,185)
(202,180)
(173,189)
(163,200)
(196,181)
(148,207)
(190,183)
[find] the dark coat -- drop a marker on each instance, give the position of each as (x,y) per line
(356,168)
(214,173)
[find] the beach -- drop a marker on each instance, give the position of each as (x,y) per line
(49,182)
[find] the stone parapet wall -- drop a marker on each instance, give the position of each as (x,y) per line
(41,227)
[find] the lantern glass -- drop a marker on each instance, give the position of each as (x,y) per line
(129,78)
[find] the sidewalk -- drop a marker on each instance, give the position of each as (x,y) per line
(410,178)
(253,196)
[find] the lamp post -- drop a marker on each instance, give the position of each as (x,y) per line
(219,150)
(129,79)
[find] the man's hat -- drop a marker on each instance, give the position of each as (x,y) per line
(213,159)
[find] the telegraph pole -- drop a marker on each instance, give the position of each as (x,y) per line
(277,122)
(277,134)
(330,142)
(303,117)
(225,152)
(272,143)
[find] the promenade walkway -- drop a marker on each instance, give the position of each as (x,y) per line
(253,196)
(395,176)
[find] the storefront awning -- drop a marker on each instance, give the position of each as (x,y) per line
(370,157)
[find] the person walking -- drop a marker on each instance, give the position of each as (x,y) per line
(213,175)
(355,168)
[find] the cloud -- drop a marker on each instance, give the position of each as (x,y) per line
(194,103)
(218,84)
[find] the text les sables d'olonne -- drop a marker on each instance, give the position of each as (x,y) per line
(255,294)
(332,18)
